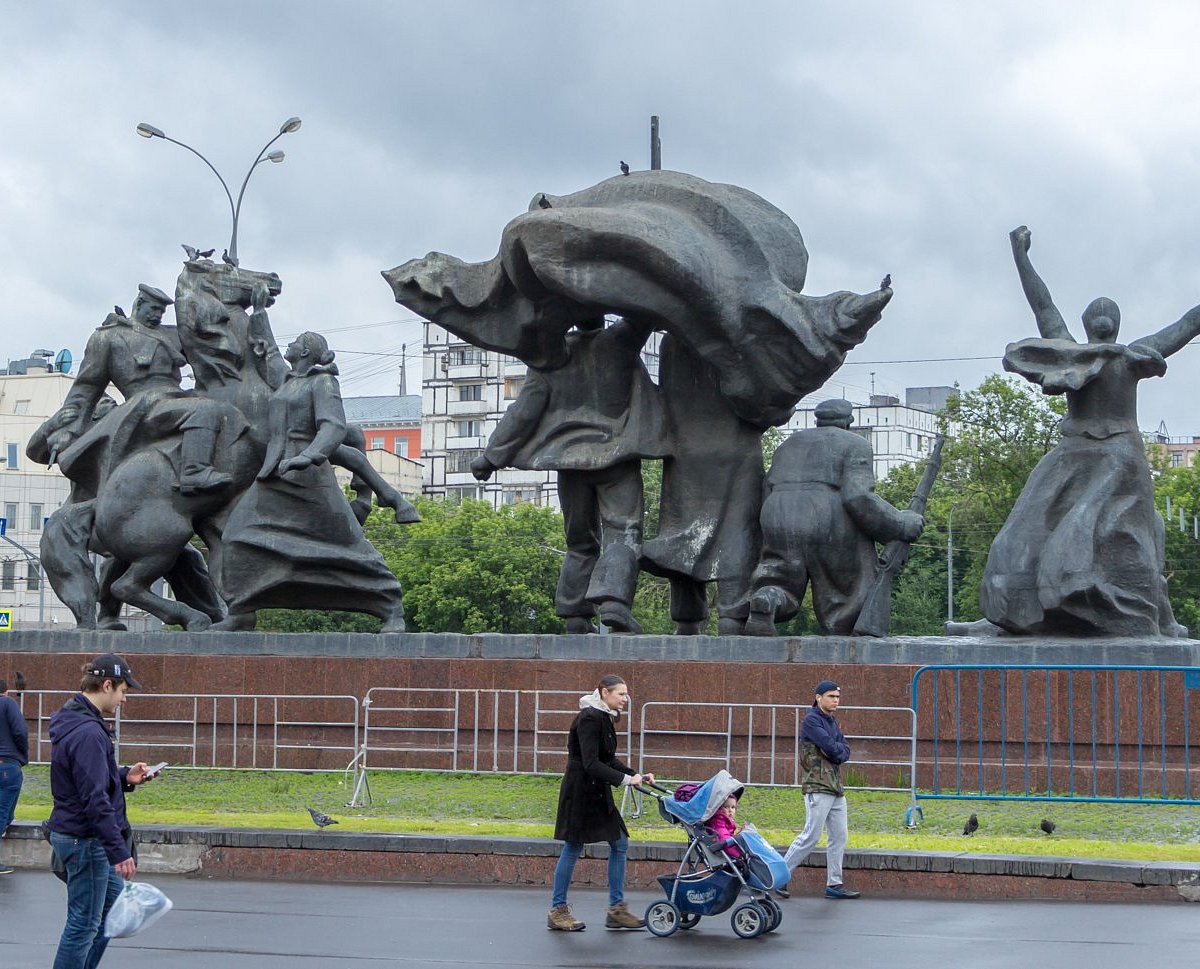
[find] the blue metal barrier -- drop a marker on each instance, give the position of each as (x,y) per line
(1102,733)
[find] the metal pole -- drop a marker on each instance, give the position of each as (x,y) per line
(950,567)
(655,145)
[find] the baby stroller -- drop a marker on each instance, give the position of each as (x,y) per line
(709,881)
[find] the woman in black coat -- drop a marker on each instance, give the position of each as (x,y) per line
(586,810)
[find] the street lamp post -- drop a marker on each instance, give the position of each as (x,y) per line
(235,208)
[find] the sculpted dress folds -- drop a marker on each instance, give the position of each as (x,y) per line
(1082,552)
(292,540)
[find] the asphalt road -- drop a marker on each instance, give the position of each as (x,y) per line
(276,924)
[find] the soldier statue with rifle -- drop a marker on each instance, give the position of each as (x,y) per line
(820,521)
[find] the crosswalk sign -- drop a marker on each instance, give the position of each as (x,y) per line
(5,620)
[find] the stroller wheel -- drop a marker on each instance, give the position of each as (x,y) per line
(662,919)
(688,920)
(774,914)
(749,920)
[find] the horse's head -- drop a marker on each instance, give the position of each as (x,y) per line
(230,285)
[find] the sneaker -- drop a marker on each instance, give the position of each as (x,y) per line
(619,917)
(561,920)
(841,891)
(6,870)
(782,893)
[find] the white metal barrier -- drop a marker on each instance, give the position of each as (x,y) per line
(760,742)
(251,731)
(490,731)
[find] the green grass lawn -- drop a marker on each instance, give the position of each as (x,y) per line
(500,804)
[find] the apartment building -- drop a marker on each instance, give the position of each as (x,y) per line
(899,433)
(391,426)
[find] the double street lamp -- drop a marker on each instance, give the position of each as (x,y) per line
(235,208)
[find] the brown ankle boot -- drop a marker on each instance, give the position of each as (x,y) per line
(619,917)
(560,919)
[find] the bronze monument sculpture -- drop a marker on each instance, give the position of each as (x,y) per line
(1082,552)
(718,269)
(820,520)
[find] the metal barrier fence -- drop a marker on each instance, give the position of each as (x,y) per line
(492,731)
(759,743)
(279,732)
(1055,733)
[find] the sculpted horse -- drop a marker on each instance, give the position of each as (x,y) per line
(127,504)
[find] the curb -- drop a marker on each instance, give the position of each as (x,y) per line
(465,859)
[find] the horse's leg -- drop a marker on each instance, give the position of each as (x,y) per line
(190,581)
(110,605)
(64,557)
(134,587)
(356,462)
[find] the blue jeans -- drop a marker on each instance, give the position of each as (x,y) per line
(92,887)
(11,779)
(571,850)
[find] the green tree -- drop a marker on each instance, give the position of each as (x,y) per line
(1002,429)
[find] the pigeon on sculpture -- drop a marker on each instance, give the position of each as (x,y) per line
(321,820)
(120,312)
(624,168)
(228,259)
(887,282)
(190,252)
(543,202)
(972,825)
(1048,826)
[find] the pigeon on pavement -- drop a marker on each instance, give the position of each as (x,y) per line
(972,825)
(321,820)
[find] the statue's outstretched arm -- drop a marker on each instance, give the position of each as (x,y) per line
(1176,336)
(1049,319)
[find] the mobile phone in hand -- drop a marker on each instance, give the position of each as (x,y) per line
(155,770)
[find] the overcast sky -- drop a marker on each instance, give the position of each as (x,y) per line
(901,137)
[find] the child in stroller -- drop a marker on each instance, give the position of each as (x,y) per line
(711,878)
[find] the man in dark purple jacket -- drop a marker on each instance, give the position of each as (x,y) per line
(88,830)
(823,750)
(14,755)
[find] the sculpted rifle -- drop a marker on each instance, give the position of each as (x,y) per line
(876,614)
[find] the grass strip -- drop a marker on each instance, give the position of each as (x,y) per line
(510,805)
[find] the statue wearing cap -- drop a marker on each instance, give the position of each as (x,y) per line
(820,521)
(143,360)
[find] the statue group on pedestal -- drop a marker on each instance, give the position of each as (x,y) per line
(578,286)
(242,461)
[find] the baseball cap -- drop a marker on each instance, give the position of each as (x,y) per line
(111,666)
(826,686)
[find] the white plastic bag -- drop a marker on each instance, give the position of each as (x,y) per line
(138,907)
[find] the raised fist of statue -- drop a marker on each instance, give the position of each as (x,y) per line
(1020,237)
(912,525)
(482,468)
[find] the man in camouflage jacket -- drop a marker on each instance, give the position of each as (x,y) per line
(823,750)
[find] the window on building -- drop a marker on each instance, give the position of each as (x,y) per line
(470,392)
(377,444)
(8,576)
(10,514)
(1176,459)
(462,493)
(35,517)
(21,407)
(13,455)
(33,576)
(518,496)
(402,446)
(469,355)
(468,428)
(512,387)
(908,441)
(459,461)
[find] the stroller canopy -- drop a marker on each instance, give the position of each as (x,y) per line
(703,804)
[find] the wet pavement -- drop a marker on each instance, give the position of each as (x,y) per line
(243,924)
